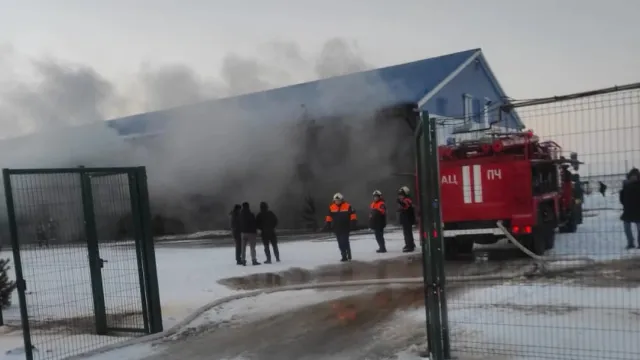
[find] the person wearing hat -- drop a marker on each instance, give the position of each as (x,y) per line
(341,219)
(407,218)
(378,220)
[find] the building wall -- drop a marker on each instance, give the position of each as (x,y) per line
(451,104)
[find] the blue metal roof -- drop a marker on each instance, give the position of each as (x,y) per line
(373,89)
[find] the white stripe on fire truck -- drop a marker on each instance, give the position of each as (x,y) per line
(477,183)
(466,184)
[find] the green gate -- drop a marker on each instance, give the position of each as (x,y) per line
(429,220)
(84,257)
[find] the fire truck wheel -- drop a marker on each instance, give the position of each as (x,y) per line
(536,242)
(570,226)
(551,238)
(454,247)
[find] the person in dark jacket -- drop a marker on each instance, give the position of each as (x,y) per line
(248,232)
(267,223)
(407,218)
(234,220)
(603,188)
(341,219)
(41,234)
(630,200)
(378,220)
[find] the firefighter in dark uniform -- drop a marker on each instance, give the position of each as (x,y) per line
(378,220)
(407,217)
(341,219)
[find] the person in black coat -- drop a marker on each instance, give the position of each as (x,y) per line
(602,188)
(267,223)
(248,232)
(630,200)
(234,223)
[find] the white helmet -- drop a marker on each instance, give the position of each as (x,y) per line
(338,196)
(377,193)
(404,190)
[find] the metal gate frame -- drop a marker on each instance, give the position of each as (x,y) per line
(145,252)
(430,224)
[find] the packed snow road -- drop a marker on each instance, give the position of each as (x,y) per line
(331,324)
(358,326)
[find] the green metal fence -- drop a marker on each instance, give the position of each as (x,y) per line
(427,187)
(79,275)
(581,298)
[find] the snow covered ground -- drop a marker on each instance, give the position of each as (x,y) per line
(554,319)
(512,320)
(526,322)
(188,280)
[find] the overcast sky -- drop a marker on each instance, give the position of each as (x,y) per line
(536,48)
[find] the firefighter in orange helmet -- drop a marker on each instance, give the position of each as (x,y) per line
(378,220)
(341,219)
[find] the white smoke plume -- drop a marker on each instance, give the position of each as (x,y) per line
(228,154)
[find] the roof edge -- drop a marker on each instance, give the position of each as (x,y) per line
(449,78)
(494,81)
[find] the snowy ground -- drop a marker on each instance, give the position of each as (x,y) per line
(550,319)
(188,280)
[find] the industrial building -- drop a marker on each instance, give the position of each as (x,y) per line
(295,146)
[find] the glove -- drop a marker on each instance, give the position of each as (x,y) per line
(354,224)
(327,227)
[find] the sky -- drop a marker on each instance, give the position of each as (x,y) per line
(79,61)
(535,47)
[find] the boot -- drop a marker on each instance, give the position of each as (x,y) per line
(255,262)
(344,256)
(349,255)
(381,251)
(408,249)
(244,263)
(268,261)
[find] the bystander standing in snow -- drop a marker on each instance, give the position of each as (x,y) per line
(234,223)
(603,188)
(248,231)
(630,200)
(267,223)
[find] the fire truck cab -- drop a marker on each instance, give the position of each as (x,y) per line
(514,178)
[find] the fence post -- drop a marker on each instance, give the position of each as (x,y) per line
(95,263)
(21,284)
(422,224)
(426,236)
(138,236)
(438,238)
(148,248)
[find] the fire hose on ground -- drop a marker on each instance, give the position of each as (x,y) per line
(543,261)
(540,267)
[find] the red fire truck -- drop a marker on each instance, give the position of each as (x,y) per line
(515,178)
